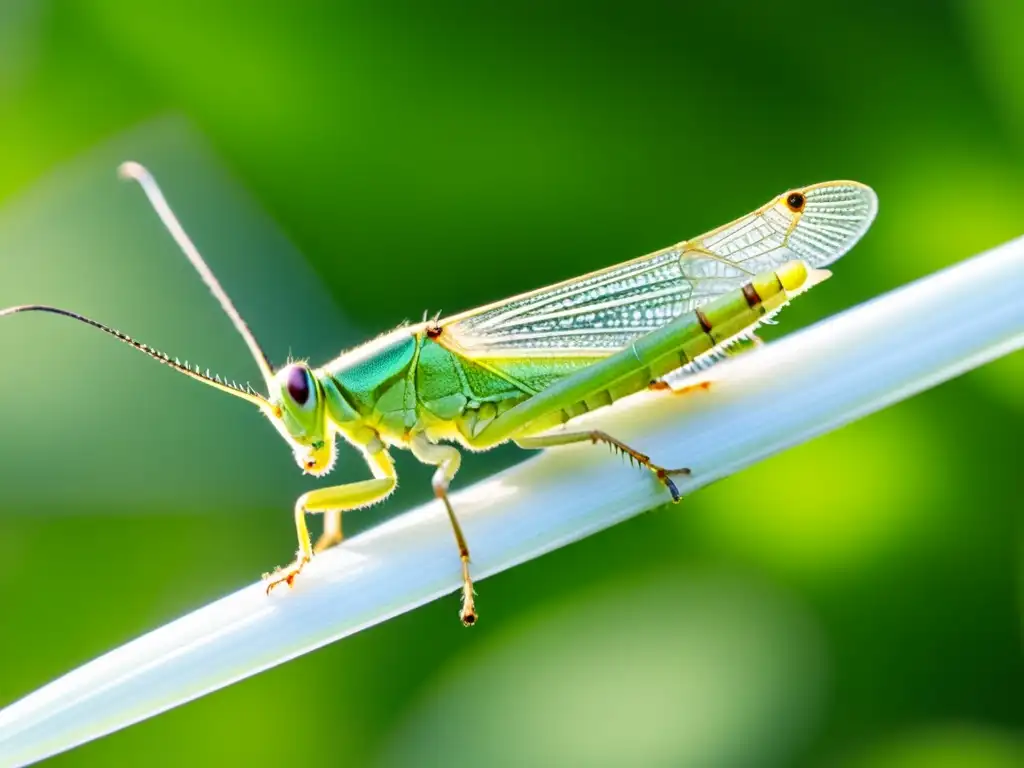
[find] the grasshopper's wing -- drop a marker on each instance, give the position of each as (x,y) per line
(603,312)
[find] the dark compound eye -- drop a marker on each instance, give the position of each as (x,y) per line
(298,385)
(796,202)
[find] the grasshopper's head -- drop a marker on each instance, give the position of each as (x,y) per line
(297,408)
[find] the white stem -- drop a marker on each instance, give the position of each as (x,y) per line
(758,404)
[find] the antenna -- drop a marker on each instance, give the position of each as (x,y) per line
(214,381)
(136,172)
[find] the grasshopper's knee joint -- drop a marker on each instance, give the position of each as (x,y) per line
(442,478)
(440,484)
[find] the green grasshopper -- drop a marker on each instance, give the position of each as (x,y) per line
(520,368)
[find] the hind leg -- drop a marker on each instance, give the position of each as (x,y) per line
(597,436)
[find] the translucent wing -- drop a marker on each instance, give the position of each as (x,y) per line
(604,311)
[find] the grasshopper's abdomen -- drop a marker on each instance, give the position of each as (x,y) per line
(723,319)
(736,312)
(696,335)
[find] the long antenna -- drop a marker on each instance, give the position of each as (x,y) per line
(136,172)
(214,381)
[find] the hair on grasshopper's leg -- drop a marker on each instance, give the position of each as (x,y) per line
(447,460)
(596,436)
(334,500)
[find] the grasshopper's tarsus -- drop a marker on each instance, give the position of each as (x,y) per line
(286,574)
(665,476)
(596,436)
(467,613)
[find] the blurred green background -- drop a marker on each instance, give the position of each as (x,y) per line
(347,166)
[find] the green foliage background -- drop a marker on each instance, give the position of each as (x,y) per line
(853,602)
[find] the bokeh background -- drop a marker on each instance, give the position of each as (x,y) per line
(348,166)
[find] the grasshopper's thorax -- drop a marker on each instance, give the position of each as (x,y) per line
(373,386)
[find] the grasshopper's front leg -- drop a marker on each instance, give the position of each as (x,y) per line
(334,500)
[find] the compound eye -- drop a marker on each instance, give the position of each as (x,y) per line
(298,385)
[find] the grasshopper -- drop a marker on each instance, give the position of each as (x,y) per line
(521,368)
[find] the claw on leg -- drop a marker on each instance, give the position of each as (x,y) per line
(597,436)
(665,475)
(285,574)
(700,386)
(660,385)
(468,612)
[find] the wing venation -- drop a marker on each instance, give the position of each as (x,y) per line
(604,311)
